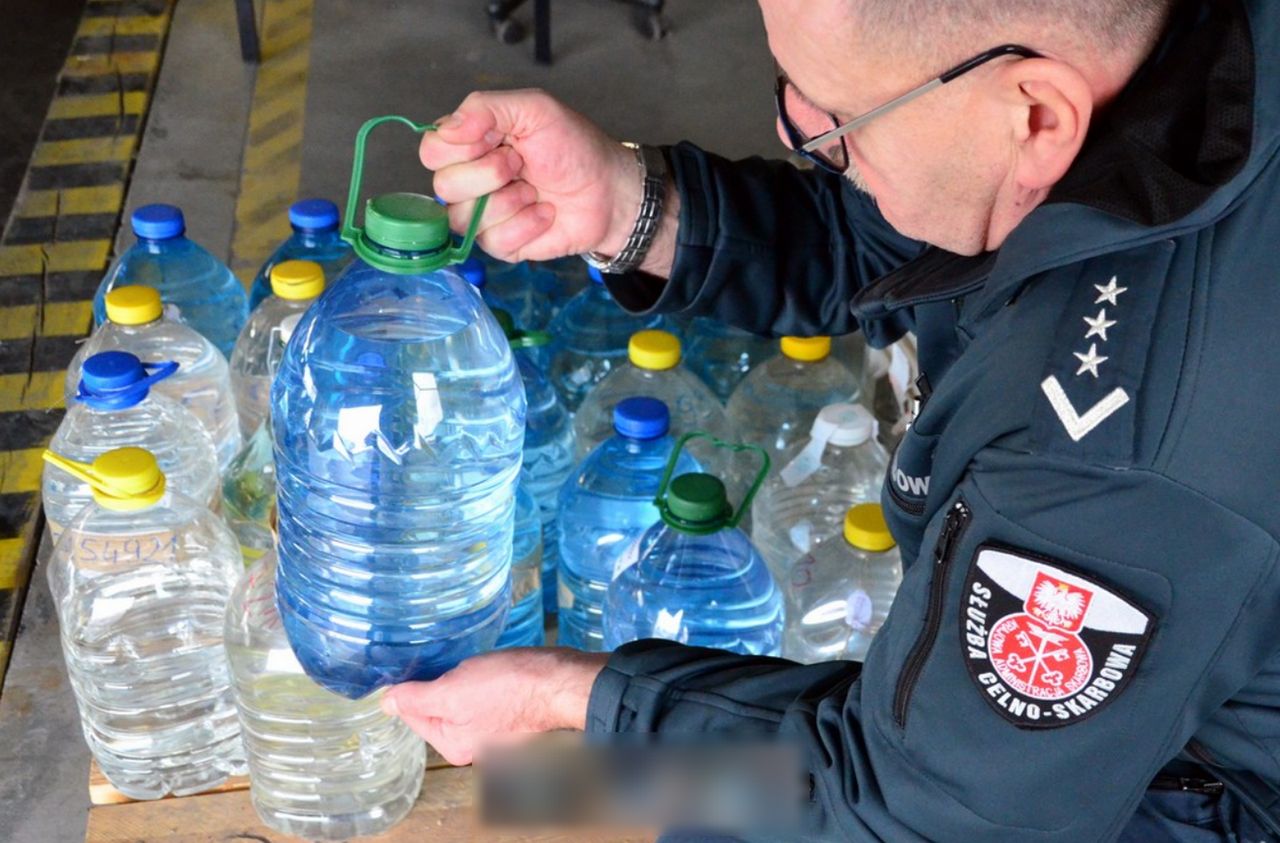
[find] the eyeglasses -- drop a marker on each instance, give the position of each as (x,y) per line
(828,149)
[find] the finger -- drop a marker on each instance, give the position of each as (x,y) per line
(507,240)
(502,206)
(437,151)
(488,174)
(438,735)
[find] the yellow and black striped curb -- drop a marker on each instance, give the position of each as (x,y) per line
(272,166)
(56,248)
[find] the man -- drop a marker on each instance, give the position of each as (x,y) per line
(1080,228)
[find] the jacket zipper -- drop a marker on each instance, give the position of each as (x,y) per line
(911,507)
(952,529)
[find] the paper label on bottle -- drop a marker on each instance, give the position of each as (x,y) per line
(857,610)
(112,552)
(801,535)
(281,660)
(108,610)
(808,460)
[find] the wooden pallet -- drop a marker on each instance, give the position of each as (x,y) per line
(443,814)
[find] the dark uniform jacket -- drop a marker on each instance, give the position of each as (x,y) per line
(1088,501)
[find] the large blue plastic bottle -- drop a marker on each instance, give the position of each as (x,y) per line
(399,427)
(316,237)
(548,443)
(193,283)
(524,624)
(590,336)
(606,505)
(694,577)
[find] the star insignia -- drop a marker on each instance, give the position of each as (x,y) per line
(1111,292)
(1099,325)
(1091,361)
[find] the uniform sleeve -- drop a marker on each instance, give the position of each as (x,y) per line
(1061,637)
(771,249)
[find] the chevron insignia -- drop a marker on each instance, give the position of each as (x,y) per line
(1080,425)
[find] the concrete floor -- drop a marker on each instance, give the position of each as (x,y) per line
(710,81)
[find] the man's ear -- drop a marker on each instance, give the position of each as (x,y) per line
(1051,105)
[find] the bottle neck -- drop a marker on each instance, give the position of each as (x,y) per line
(316,237)
(156,245)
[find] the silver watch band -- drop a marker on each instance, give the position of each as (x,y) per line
(653,172)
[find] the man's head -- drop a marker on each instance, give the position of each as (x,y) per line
(963,165)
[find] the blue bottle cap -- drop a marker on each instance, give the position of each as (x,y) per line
(158,222)
(472,269)
(313,215)
(114,380)
(641,418)
(594,275)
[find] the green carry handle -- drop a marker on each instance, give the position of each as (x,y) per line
(400,262)
(730,518)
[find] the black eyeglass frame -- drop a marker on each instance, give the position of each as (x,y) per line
(807,148)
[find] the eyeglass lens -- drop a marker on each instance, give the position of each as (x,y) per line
(808,121)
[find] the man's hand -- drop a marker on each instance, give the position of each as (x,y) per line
(557,184)
(498,697)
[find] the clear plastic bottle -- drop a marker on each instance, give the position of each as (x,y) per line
(548,443)
(572,277)
(140,581)
(723,355)
(533,294)
(524,625)
(398,420)
(200,288)
(776,404)
(136,324)
(295,284)
(249,495)
(695,578)
(803,503)
(653,368)
(527,310)
(604,507)
(591,334)
(321,766)
(114,409)
(839,595)
(315,238)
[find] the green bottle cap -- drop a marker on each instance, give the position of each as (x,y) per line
(403,233)
(406,222)
(697,503)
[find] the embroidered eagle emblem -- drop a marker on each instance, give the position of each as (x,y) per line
(1057,604)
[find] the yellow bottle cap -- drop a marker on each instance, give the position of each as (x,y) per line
(865,528)
(123,480)
(654,350)
(297,280)
(134,305)
(807,349)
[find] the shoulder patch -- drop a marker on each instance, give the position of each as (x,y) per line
(1047,647)
(1099,356)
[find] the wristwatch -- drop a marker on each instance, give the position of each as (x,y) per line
(653,172)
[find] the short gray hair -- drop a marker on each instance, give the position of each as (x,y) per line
(1099,25)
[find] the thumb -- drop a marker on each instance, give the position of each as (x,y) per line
(470,123)
(420,700)
(509,114)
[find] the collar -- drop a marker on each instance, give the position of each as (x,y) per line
(1179,132)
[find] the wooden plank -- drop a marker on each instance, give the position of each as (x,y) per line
(443,814)
(101,791)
